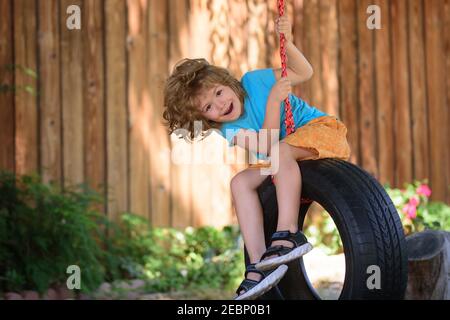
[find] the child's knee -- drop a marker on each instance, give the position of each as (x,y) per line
(238,182)
(247,180)
(284,151)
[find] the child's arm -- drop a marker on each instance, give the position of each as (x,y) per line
(256,142)
(299,69)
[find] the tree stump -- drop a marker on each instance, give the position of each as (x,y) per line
(428,266)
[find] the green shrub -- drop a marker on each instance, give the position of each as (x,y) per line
(169,259)
(44,230)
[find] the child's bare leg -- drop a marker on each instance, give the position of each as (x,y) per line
(288,182)
(249,213)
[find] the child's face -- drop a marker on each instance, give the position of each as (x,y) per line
(219,104)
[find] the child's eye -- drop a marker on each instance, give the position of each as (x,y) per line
(219,92)
(208,107)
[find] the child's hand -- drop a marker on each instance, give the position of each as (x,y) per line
(280,90)
(282,25)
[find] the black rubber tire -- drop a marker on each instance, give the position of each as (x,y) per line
(368,224)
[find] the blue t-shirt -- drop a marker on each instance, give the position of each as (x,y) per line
(258,84)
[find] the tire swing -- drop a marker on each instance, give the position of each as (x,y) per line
(367,222)
(365,217)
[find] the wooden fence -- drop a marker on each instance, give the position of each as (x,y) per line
(96,117)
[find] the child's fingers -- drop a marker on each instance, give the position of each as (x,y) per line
(285,80)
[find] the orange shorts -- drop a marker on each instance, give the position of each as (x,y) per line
(325,136)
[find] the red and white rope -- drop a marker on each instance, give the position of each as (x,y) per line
(289,118)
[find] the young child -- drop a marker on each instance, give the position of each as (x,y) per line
(246,110)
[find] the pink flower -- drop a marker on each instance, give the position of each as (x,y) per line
(414,201)
(424,190)
(410,211)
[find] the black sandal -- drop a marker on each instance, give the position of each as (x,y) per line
(254,289)
(284,254)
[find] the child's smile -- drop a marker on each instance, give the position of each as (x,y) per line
(220,104)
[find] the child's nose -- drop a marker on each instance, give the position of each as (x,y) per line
(220,105)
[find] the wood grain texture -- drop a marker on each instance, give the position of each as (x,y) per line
(72,98)
(7,153)
(26,116)
(50,91)
(366,91)
(384,97)
(116,108)
(447,89)
(159,139)
(181,202)
(312,10)
(348,74)
(329,56)
(139,108)
(94,103)
(418,90)
(437,107)
(402,115)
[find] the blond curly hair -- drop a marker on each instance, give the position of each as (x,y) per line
(188,79)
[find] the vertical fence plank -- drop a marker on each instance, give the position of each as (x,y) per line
(271,47)
(181,202)
(219,35)
(257,20)
(418,90)
(329,56)
(447,89)
(72,97)
(238,66)
(211,197)
(159,140)
(49,91)
(200,21)
(238,34)
(301,40)
(312,9)
(403,151)
(384,97)
(366,92)
(94,112)
(348,73)
(437,108)
(139,108)
(116,108)
(7,159)
(26,117)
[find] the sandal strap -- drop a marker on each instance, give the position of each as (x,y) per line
(246,285)
(276,250)
(251,268)
(297,239)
